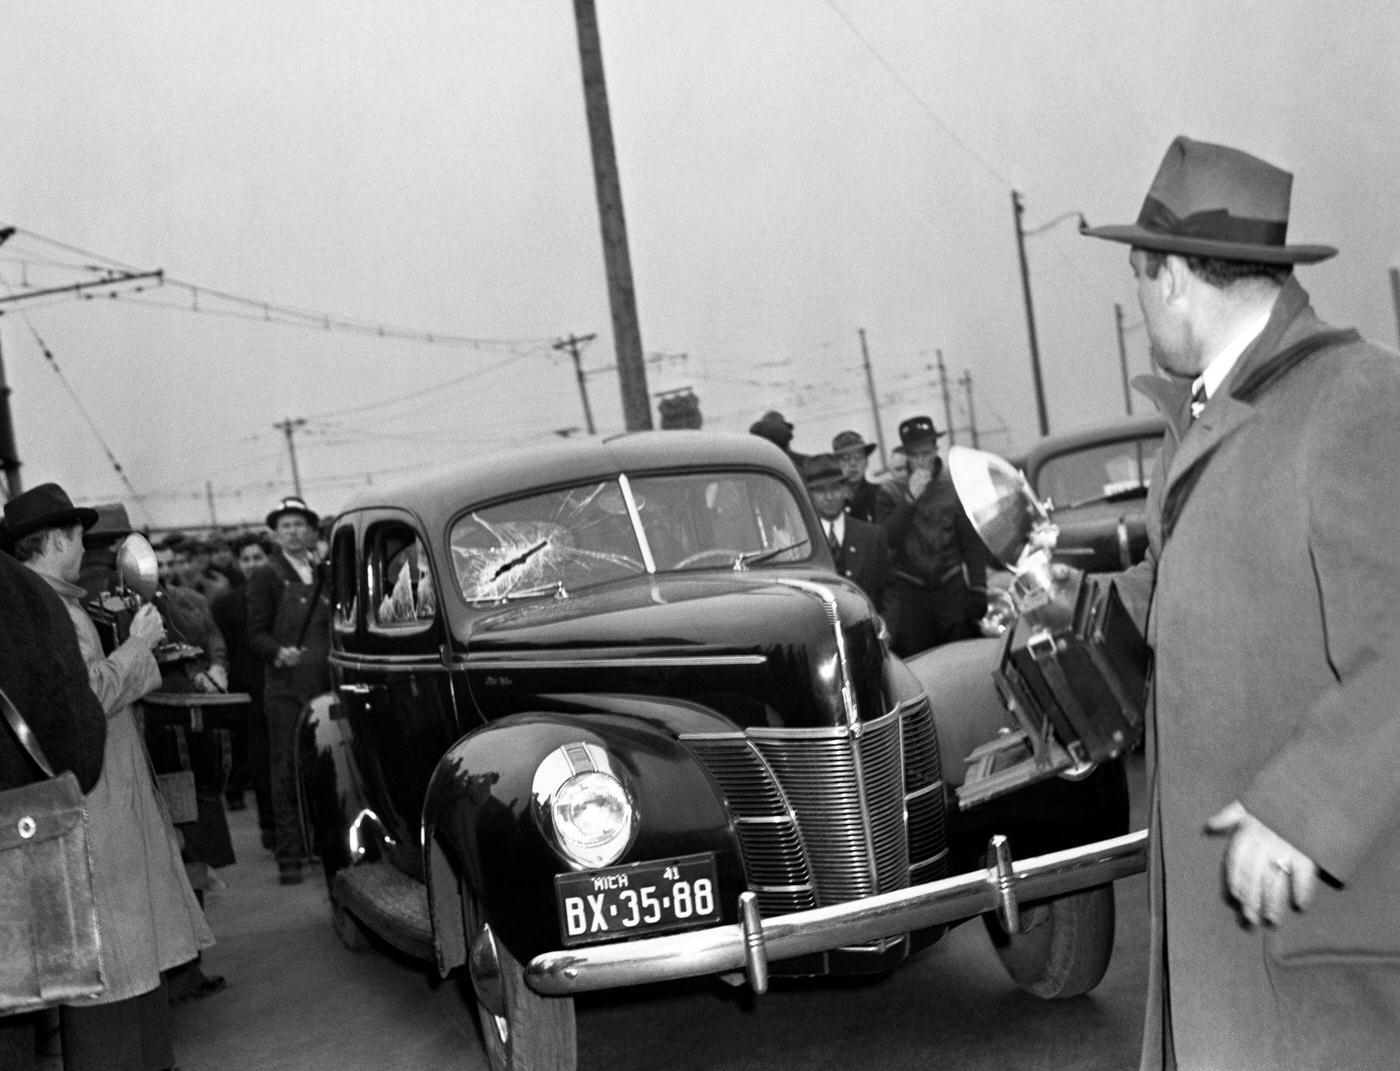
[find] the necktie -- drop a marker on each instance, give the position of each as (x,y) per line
(831,540)
(1198,400)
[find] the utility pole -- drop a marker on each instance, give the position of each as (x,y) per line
(288,427)
(947,402)
(966,383)
(627,335)
(209,493)
(1395,293)
(874,406)
(9,456)
(572,344)
(1123,357)
(1016,210)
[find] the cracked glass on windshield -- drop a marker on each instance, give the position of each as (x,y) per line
(561,541)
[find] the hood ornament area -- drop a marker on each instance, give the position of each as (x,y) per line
(1074,667)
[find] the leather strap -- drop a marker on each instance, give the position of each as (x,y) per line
(24,734)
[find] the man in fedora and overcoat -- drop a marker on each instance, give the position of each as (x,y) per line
(289,627)
(147,914)
(852,452)
(858,549)
(940,564)
(1269,597)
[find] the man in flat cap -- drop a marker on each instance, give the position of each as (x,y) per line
(289,627)
(852,453)
(1269,596)
(940,564)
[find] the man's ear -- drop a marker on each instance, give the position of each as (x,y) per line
(1176,279)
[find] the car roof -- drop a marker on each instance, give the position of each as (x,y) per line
(436,497)
(1141,426)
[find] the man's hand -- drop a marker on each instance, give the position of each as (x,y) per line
(287,656)
(1263,872)
(919,481)
(147,627)
(213,679)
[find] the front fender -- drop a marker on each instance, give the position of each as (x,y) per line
(1047,816)
(967,711)
(478,812)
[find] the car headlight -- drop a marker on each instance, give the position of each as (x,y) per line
(583,807)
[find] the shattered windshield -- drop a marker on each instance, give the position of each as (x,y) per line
(561,541)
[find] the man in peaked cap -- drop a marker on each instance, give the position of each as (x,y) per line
(940,565)
(289,627)
(1268,595)
(852,453)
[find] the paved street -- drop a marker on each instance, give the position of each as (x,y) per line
(297,999)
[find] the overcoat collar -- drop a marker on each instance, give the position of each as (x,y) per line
(1292,333)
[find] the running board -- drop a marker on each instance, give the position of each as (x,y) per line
(389,903)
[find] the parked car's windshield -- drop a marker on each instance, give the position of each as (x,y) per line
(1097,477)
(563,540)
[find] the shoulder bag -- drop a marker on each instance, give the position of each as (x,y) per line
(50,946)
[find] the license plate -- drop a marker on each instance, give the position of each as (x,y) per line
(640,898)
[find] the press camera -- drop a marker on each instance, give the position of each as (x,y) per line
(1074,667)
(136,583)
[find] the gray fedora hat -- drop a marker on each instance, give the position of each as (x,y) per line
(1213,201)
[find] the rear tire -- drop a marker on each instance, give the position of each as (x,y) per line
(1065,945)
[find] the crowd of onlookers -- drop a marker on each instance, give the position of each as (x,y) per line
(905,539)
(170,709)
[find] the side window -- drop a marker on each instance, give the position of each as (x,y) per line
(400,576)
(346,576)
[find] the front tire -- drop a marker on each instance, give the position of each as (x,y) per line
(523,1031)
(1065,945)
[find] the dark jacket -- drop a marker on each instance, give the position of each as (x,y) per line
(931,539)
(43,673)
(861,502)
(284,612)
(1269,596)
(245,665)
(865,559)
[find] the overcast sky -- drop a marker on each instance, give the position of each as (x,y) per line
(793,171)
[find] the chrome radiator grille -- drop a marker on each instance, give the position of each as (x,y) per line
(830,815)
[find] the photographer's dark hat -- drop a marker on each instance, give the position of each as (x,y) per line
(1213,201)
(821,469)
(45,506)
(918,430)
(848,442)
(774,427)
(292,504)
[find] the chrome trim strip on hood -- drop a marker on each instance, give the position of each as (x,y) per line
(843,667)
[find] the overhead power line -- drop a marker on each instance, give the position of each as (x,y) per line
(209,301)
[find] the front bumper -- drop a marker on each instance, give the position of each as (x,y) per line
(751,943)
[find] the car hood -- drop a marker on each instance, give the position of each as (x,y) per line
(762,647)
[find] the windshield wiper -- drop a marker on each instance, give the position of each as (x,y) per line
(556,589)
(1112,493)
(757,557)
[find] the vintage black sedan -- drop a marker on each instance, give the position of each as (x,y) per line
(604,714)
